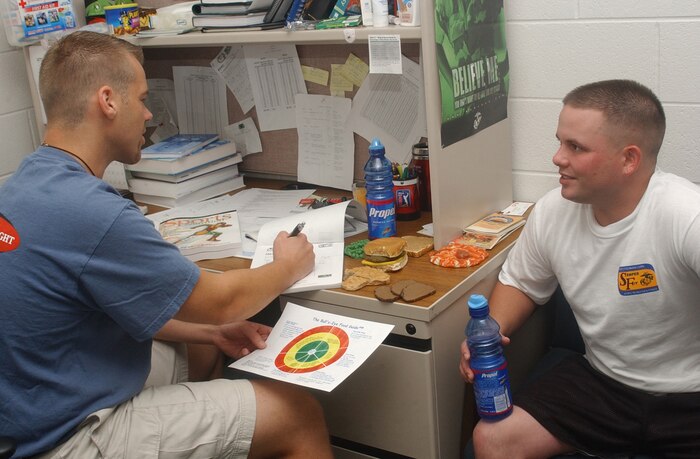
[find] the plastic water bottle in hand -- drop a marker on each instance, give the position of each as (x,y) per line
(491,383)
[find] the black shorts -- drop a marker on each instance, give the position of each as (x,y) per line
(598,415)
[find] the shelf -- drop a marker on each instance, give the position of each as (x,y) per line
(328,36)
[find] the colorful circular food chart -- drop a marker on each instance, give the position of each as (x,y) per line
(314,349)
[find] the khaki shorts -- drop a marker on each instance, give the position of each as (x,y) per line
(170,418)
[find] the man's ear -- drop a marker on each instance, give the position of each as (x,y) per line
(632,159)
(107,101)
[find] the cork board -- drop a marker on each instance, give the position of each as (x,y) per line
(279,156)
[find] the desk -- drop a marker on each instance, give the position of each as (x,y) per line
(406,400)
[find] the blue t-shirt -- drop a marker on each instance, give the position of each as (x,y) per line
(81,296)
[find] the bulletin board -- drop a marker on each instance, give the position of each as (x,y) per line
(279,156)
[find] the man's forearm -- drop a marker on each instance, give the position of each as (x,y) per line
(510,307)
(186,332)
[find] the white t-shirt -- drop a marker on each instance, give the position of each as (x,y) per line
(634,285)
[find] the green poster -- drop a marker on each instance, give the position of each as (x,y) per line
(472,64)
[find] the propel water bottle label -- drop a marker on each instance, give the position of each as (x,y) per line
(492,391)
(381,218)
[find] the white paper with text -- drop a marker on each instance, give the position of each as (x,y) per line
(315,349)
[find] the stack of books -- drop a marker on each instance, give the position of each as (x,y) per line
(185,168)
(218,15)
(490,230)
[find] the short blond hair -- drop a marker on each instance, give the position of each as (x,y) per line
(76,66)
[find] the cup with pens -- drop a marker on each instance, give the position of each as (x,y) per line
(407,200)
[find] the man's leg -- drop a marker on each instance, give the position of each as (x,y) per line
(517,436)
(289,423)
(205,362)
(219,418)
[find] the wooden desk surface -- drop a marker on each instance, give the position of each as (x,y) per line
(419,269)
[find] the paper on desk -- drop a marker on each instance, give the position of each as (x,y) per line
(257,206)
(211,206)
(275,76)
(391,107)
(427,230)
(230,64)
(326,147)
(517,208)
(325,229)
(315,349)
(200,95)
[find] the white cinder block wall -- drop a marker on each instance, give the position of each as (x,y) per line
(18,133)
(553,46)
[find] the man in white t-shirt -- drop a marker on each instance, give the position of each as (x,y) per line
(622,239)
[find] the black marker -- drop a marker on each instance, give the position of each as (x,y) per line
(297,229)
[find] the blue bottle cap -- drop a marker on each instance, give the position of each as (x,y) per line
(376,146)
(478,305)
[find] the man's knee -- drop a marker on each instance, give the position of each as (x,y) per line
(485,438)
(496,440)
(517,436)
(290,422)
(287,399)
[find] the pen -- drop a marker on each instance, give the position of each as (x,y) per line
(297,229)
(248,236)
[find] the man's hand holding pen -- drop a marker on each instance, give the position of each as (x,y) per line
(297,229)
(295,251)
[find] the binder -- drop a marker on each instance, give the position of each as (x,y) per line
(319,9)
(278,11)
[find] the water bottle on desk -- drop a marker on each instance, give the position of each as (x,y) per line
(381,211)
(491,384)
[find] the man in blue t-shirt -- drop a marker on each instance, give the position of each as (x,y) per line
(88,283)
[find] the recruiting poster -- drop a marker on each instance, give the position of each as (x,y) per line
(472,62)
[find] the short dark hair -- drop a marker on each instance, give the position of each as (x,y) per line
(633,110)
(77,65)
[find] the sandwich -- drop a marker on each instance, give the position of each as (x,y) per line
(417,246)
(387,254)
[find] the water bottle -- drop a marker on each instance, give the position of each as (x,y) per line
(491,384)
(381,212)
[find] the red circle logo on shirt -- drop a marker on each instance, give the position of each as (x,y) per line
(9,239)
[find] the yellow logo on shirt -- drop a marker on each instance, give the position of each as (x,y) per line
(636,279)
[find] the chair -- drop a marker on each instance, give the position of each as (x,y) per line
(7,447)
